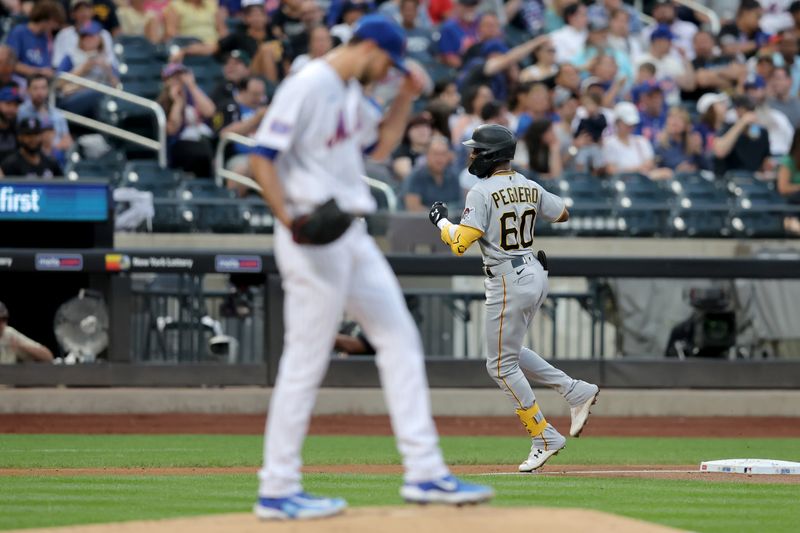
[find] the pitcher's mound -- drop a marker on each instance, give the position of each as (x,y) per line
(393,520)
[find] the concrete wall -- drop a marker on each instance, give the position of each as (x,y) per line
(445,402)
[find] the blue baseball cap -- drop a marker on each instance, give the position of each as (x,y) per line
(662,32)
(10,94)
(494,46)
(387,34)
(90,28)
(755,82)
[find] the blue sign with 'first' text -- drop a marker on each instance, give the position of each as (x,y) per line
(40,200)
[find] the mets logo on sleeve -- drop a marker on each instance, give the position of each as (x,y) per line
(59,262)
(237,263)
(280,127)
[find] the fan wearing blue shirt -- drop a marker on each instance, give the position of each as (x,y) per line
(31,40)
(458,32)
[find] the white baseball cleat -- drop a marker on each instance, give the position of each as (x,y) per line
(580,413)
(540,452)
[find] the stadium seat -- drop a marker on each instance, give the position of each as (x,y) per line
(173,216)
(148,176)
(92,169)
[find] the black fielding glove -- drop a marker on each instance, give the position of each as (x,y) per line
(322,226)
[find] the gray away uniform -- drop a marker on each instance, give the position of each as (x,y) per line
(504,207)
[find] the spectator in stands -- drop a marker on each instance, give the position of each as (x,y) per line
(777,125)
(539,150)
(787,55)
(243,116)
(789,172)
(473,100)
(9,107)
(527,15)
(597,49)
(678,148)
(187,108)
(31,41)
(499,66)
(604,10)
(743,145)
(235,67)
(489,29)
(565,104)
(745,32)
(713,72)
(319,44)
(533,103)
(8,64)
(416,141)
(459,32)
(400,11)
(256,39)
(201,19)
(38,106)
(437,180)
(781,97)
(136,19)
(105,12)
(591,123)
(624,151)
(88,61)
(439,10)
(544,63)
(712,108)
(665,16)
(291,23)
(419,35)
(29,160)
(554,14)
(604,68)
(653,112)
(569,78)
(352,11)
(16,347)
(570,40)
(66,41)
(619,35)
(669,65)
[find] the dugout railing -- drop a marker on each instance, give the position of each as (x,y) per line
(172,314)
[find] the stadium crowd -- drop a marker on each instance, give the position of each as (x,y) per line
(588,87)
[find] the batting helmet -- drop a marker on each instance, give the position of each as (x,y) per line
(491,145)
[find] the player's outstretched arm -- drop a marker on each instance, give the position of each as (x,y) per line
(459,238)
(271,189)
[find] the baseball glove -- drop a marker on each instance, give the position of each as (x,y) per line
(322,226)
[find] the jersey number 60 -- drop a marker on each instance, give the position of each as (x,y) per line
(517,233)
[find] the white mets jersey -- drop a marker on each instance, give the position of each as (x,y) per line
(320,126)
(504,207)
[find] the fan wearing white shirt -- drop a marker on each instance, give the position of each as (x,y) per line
(624,151)
(570,40)
(665,15)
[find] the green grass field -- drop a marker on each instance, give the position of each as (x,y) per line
(36,501)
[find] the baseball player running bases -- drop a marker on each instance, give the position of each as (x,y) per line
(500,213)
(308,161)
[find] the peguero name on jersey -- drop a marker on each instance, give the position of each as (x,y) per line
(515,195)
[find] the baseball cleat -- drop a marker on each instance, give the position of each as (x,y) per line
(448,490)
(298,507)
(539,455)
(580,413)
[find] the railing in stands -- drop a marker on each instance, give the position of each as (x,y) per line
(224,173)
(158,145)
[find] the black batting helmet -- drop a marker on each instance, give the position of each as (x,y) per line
(491,145)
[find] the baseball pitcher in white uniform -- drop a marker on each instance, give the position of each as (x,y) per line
(309,163)
(500,213)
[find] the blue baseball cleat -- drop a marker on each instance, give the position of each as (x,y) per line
(298,507)
(448,490)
